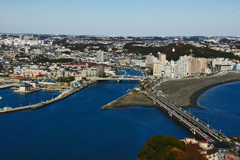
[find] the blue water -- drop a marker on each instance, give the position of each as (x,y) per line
(16,100)
(221,107)
(76,128)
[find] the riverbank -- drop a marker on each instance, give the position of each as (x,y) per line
(185,92)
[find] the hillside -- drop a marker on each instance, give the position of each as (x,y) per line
(180,50)
(167,148)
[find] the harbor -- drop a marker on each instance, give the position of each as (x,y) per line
(81,114)
(63,94)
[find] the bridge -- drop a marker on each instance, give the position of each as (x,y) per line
(121,78)
(195,125)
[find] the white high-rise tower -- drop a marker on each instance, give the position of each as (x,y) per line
(100,56)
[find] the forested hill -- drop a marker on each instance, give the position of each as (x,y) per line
(166,148)
(180,50)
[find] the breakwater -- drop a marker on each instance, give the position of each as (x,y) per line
(63,95)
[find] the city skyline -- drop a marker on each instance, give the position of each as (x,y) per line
(125,18)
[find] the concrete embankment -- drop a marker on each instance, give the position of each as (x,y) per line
(42,104)
(129,100)
(8,85)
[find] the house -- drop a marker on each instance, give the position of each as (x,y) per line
(25,87)
(206,149)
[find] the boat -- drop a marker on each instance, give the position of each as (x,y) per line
(0,98)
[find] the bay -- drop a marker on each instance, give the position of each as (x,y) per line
(76,128)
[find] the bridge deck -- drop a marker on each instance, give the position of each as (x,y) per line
(194,124)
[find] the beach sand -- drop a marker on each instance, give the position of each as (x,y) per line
(130,100)
(185,92)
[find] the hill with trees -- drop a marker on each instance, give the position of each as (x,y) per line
(167,148)
(180,50)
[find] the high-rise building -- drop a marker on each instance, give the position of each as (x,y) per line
(100,56)
(183,66)
(203,64)
(157,69)
(149,59)
(162,58)
(188,66)
(168,71)
(174,69)
(194,66)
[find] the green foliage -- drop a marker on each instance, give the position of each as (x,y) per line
(168,148)
(104,75)
(159,147)
(21,55)
(66,52)
(79,47)
(42,59)
(66,79)
(180,50)
(237,139)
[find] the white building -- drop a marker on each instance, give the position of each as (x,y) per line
(162,58)
(100,56)
(174,69)
(183,66)
(149,59)
(168,71)
(157,69)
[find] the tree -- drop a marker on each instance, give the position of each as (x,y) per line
(66,52)
(167,148)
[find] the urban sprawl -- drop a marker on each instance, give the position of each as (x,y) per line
(61,56)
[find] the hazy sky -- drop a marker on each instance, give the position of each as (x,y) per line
(121,17)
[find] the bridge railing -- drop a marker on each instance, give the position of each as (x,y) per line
(217,133)
(180,117)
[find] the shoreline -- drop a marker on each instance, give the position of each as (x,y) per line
(130,100)
(185,92)
(194,97)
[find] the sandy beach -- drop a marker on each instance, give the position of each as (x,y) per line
(185,92)
(182,92)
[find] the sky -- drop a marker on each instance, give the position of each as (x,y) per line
(121,17)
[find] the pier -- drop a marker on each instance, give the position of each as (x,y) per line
(195,125)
